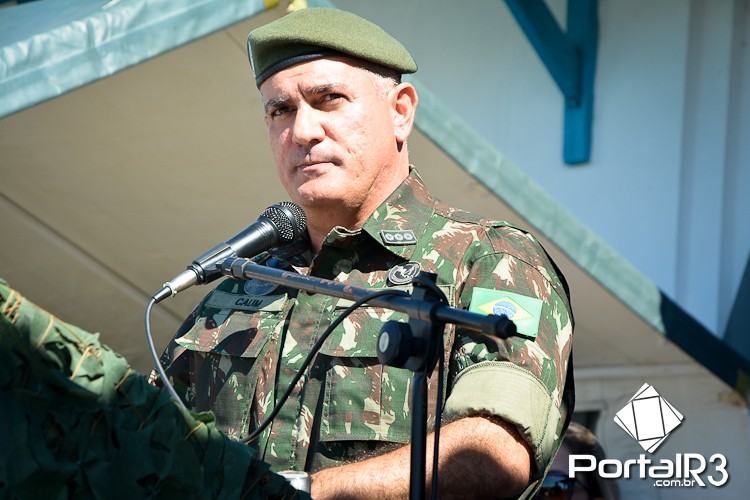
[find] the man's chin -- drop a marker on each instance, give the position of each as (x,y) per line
(314,197)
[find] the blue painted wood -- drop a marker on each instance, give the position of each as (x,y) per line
(570,58)
(551,44)
(583,32)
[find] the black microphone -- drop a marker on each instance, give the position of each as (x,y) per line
(279,224)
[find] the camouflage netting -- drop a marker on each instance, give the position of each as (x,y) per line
(78,422)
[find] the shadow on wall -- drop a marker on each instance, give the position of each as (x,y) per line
(727,358)
(737,326)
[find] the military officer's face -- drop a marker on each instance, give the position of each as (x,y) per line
(332,131)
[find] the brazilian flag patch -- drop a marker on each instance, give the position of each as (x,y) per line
(523,310)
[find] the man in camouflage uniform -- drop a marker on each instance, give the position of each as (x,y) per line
(338,118)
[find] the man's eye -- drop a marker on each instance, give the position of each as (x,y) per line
(277,112)
(332,97)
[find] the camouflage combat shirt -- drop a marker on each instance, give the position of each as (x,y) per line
(245,341)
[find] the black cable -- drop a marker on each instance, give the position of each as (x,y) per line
(438,399)
(155,356)
(438,419)
(313,351)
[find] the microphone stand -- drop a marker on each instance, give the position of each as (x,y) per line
(412,346)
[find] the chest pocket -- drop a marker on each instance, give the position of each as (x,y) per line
(226,340)
(364,400)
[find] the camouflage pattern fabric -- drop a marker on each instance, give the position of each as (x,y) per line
(79,423)
(240,347)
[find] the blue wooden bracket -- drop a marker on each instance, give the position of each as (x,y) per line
(570,57)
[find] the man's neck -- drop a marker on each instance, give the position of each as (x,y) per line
(321,219)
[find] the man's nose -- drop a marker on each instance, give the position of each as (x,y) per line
(308,127)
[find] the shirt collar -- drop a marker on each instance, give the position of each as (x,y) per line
(408,208)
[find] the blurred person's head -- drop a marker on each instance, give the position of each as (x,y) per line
(557,484)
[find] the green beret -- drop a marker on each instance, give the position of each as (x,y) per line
(312,33)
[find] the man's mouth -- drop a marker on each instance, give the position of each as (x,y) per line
(309,165)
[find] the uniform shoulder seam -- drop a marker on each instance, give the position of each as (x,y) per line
(459,215)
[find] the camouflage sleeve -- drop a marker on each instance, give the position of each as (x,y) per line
(80,423)
(520,379)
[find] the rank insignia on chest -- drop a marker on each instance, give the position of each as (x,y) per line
(398,237)
(402,274)
(523,310)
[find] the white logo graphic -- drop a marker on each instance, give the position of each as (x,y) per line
(648,418)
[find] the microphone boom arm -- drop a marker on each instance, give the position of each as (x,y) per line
(491,324)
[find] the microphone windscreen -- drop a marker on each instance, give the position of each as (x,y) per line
(290,220)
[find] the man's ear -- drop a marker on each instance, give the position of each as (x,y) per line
(404,102)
